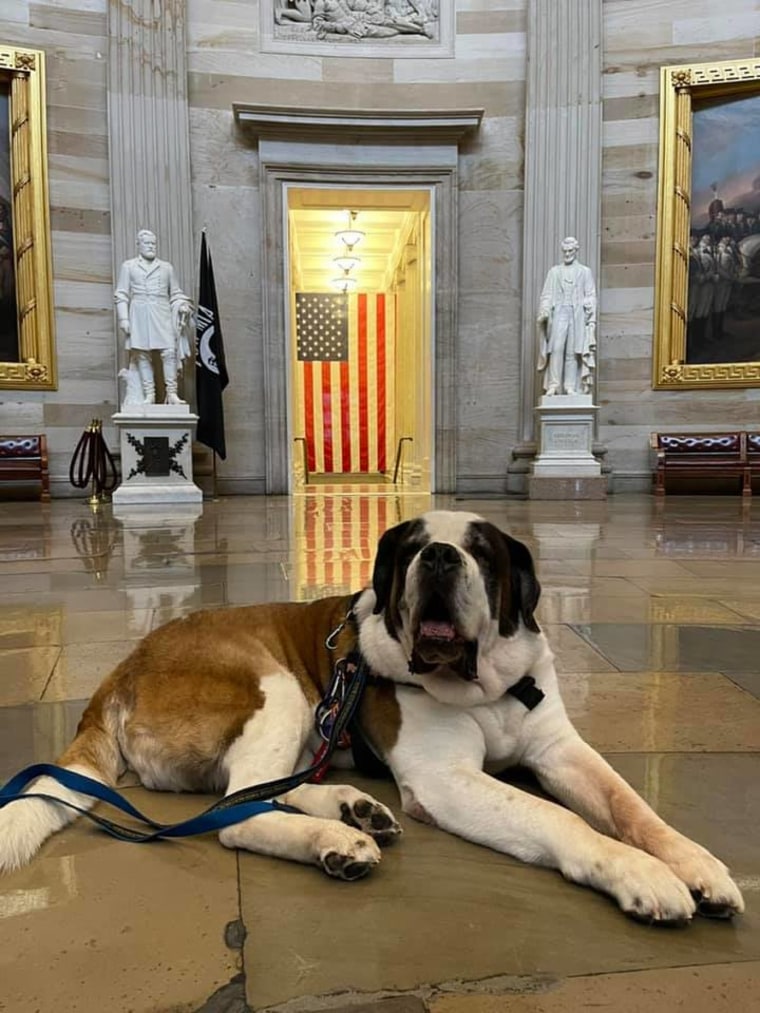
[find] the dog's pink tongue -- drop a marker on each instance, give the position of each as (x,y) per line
(434,629)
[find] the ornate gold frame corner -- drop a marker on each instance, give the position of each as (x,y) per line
(679,85)
(36,368)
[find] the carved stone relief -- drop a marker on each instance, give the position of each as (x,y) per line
(358,27)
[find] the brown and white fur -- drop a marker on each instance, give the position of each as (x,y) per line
(223,699)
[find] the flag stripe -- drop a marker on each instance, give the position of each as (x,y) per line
(327,434)
(362,356)
(308,408)
(345,417)
(381,387)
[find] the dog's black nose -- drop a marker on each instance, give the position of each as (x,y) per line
(440,557)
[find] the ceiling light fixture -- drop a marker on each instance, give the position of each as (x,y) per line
(344,283)
(350,236)
(347,262)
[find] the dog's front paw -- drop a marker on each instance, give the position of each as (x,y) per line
(647,890)
(716,894)
(367,814)
(346,853)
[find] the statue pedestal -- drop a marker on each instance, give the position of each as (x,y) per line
(156,455)
(565,468)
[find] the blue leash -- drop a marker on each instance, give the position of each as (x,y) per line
(234,808)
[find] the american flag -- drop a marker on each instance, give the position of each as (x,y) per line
(345,380)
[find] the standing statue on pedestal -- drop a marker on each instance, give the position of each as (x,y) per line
(567,326)
(154,314)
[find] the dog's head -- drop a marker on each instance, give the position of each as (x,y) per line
(447,579)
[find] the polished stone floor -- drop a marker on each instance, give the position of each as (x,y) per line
(654,613)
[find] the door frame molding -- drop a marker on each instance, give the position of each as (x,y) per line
(371,149)
(443,205)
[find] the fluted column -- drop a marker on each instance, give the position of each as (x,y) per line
(148,129)
(563,160)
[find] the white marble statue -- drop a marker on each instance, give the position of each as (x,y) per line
(567,325)
(154,314)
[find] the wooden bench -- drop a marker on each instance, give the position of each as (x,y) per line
(706,455)
(25,459)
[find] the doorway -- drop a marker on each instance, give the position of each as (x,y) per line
(359,331)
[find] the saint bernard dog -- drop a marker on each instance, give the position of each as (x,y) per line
(462,683)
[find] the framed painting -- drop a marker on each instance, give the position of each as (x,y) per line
(707,300)
(27,341)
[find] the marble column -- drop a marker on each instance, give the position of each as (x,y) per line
(563,161)
(148,128)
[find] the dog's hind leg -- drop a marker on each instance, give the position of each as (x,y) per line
(268,748)
(26,824)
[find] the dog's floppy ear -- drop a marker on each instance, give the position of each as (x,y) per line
(385,564)
(520,598)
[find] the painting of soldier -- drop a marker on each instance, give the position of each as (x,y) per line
(723,301)
(9,350)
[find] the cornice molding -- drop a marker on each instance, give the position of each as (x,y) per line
(401,125)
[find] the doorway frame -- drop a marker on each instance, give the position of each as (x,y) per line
(428,300)
(441,181)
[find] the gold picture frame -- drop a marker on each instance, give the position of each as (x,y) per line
(680,361)
(22,72)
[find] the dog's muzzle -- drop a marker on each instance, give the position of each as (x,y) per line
(437,641)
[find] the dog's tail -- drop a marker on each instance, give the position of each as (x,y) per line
(26,825)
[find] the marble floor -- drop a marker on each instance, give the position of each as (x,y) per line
(654,613)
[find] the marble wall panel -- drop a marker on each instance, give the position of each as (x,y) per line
(351,69)
(14,14)
(220,153)
(620,82)
(21,416)
(493,159)
(217,91)
(248,63)
(490,19)
(730,26)
(490,242)
(619,275)
(82,257)
(489,385)
(72,33)
(639,38)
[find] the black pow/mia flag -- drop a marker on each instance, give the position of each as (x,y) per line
(210,367)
